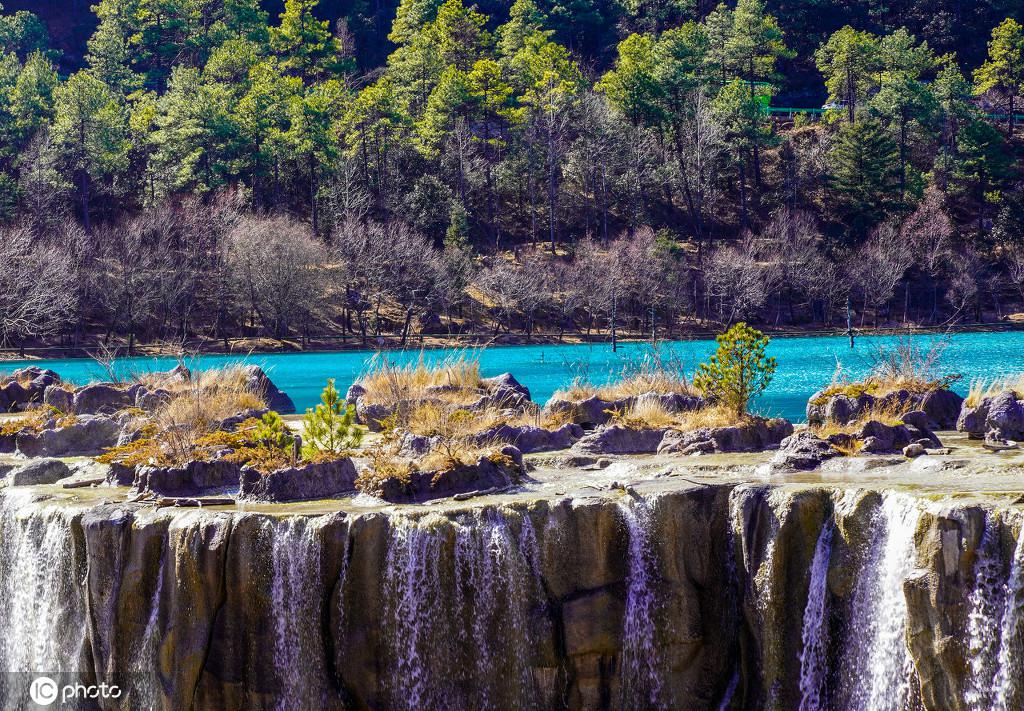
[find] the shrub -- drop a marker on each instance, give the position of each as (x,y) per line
(330,428)
(739,370)
(272,432)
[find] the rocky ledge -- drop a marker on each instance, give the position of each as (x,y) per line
(941,406)
(662,582)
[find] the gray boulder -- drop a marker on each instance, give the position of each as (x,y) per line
(527,438)
(104,398)
(258,382)
(617,439)
(87,435)
(40,471)
(506,382)
(941,406)
(309,481)
(754,436)
(488,472)
(152,400)
(997,417)
(880,438)
(594,411)
(59,398)
(802,451)
(193,479)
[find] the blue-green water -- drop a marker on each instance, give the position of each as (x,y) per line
(804,364)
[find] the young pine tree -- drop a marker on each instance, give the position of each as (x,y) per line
(330,428)
(738,371)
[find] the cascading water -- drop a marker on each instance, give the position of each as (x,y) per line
(457,597)
(814,653)
(641,676)
(985,612)
(1007,687)
(42,609)
(881,672)
(43,623)
(493,581)
(296,593)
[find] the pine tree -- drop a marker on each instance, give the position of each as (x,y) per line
(864,174)
(330,428)
(1003,71)
(739,370)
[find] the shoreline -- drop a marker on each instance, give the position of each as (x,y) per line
(342,344)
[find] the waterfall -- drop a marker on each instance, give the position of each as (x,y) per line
(43,620)
(881,672)
(295,593)
(144,688)
(457,595)
(1006,686)
(814,654)
(641,678)
(983,619)
(493,583)
(412,595)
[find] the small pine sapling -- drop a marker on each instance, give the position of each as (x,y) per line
(331,427)
(738,371)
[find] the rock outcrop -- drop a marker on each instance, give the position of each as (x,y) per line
(25,387)
(85,435)
(942,406)
(756,435)
(196,478)
(995,417)
(708,597)
(502,392)
(318,480)
(493,471)
(595,411)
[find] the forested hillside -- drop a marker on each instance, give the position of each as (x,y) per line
(182,169)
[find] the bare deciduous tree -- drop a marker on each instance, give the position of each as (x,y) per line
(37,286)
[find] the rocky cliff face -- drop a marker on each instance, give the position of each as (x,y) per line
(714,597)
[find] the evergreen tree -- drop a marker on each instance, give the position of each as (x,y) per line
(864,174)
(1003,71)
(90,132)
(850,62)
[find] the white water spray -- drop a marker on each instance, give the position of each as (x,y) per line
(814,654)
(641,677)
(882,671)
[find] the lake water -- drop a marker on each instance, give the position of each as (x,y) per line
(805,364)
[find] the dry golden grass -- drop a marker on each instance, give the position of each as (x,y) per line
(177,430)
(711,417)
(886,414)
(981,389)
(651,414)
(629,385)
(456,379)
(906,366)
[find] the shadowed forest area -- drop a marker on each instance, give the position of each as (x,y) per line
(204,171)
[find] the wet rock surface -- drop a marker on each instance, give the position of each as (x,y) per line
(193,479)
(660,594)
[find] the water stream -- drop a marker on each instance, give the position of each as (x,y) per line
(1007,687)
(814,636)
(881,675)
(641,676)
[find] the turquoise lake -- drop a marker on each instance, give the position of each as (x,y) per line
(805,364)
